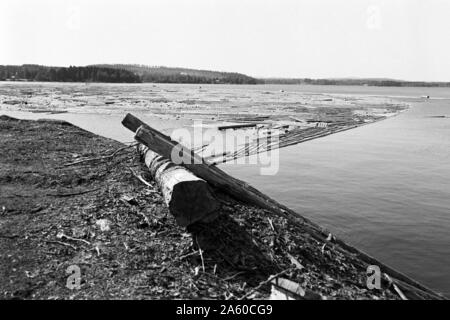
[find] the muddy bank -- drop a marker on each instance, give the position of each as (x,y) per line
(54,215)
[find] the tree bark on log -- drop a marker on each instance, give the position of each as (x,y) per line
(188,197)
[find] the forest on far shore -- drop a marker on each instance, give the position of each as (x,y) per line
(355,82)
(63,74)
(134,73)
(120,74)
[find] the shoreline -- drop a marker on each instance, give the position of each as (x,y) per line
(223,84)
(37,213)
(295,117)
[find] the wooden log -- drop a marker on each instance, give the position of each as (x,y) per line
(213,175)
(188,197)
(296,119)
(237,126)
(132,123)
(164,146)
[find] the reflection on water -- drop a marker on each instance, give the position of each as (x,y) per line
(384,187)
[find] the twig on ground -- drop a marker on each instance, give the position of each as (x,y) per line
(72,193)
(188,255)
(234,275)
(63,244)
(264,283)
(271,225)
(99,158)
(64,236)
(140,178)
(229,297)
(396,288)
(97,249)
(201,254)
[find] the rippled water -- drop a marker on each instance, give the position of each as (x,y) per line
(384,187)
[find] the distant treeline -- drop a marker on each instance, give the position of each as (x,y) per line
(356,82)
(31,72)
(120,73)
(182,75)
(133,73)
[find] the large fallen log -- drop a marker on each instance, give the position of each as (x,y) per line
(188,197)
(166,147)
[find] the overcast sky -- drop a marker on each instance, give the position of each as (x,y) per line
(402,39)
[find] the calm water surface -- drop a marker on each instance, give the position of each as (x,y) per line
(384,187)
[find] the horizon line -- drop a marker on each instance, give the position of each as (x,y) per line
(252,76)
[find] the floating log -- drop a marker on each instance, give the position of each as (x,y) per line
(296,119)
(163,145)
(237,126)
(247,118)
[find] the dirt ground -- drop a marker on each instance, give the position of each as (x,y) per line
(62,205)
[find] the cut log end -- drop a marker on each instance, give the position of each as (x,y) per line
(192,201)
(188,197)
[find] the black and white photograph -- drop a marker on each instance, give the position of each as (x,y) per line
(239,151)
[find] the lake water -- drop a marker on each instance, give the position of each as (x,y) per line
(384,187)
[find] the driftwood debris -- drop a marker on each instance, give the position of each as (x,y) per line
(283,140)
(269,280)
(240,190)
(188,197)
(285,289)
